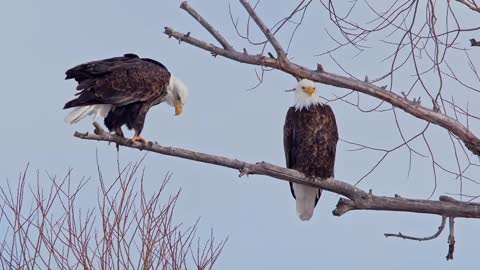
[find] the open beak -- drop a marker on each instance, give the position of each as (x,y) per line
(178,108)
(309,90)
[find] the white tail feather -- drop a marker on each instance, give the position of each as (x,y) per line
(78,113)
(305,200)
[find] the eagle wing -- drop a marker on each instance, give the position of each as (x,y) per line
(119,81)
(288,142)
(289,138)
(328,138)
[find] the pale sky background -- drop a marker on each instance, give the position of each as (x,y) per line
(41,39)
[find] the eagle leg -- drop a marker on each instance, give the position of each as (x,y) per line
(119,132)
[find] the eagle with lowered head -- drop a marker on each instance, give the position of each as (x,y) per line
(310,138)
(122,90)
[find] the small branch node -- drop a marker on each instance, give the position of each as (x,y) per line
(245,171)
(416,101)
(474,42)
(168,31)
(184,5)
(444,198)
(320,68)
(343,206)
(436,107)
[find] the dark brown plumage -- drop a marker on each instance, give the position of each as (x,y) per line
(132,85)
(310,140)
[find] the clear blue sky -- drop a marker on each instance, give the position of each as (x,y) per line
(41,39)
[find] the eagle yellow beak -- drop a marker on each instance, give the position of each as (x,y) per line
(309,90)
(178,108)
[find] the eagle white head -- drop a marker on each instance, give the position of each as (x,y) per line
(305,95)
(177,94)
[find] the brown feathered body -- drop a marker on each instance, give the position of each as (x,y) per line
(132,85)
(310,140)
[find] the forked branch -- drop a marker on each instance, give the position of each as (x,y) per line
(431,115)
(435,235)
(206,25)
(265,30)
(451,236)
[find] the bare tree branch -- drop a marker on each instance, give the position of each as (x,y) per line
(357,198)
(435,235)
(130,227)
(471,141)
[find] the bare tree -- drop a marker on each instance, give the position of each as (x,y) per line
(419,45)
(129,228)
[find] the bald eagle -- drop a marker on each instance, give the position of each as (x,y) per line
(310,141)
(122,90)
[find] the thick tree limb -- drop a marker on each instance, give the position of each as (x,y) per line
(357,198)
(471,141)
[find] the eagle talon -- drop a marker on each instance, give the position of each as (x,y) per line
(138,139)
